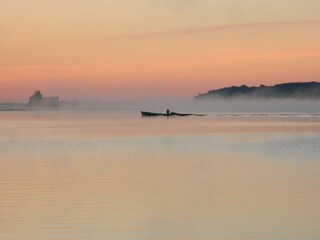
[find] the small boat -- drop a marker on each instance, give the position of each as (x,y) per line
(151,114)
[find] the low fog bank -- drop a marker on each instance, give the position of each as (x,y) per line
(11,106)
(243,105)
(190,106)
(207,106)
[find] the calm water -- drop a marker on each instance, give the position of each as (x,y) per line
(93,175)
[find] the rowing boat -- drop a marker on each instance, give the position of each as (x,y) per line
(151,114)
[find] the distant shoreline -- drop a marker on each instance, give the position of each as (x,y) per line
(291,90)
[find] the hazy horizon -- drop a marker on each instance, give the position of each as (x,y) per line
(210,107)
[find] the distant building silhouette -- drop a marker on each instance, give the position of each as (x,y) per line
(37,100)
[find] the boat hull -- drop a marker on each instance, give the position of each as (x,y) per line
(150,114)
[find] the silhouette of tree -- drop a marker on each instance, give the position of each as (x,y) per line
(37,97)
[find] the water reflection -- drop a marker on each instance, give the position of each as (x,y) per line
(124,177)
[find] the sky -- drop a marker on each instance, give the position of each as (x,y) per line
(126,50)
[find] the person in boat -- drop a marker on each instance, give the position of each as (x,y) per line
(168,112)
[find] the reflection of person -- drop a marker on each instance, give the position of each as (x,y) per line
(168,112)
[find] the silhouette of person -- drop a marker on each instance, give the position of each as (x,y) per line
(168,112)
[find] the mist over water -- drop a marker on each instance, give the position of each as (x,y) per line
(207,106)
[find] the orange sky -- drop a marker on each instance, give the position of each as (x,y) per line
(154,49)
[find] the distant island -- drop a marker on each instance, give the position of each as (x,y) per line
(294,90)
(38,101)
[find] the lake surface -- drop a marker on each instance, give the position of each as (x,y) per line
(96,175)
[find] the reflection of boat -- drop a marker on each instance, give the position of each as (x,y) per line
(181,114)
(151,114)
